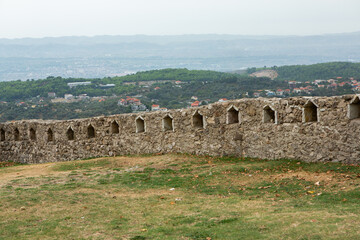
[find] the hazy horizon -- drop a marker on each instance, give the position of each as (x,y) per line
(185,34)
(116,55)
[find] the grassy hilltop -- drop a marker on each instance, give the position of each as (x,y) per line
(179,197)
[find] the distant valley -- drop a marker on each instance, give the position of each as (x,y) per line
(97,57)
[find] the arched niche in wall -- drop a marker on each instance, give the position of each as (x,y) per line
(269,115)
(2,135)
(354,108)
(90,131)
(50,135)
(168,123)
(115,127)
(310,112)
(70,134)
(32,133)
(16,134)
(198,120)
(233,115)
(140,124)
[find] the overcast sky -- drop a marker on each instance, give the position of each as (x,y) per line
(43,18)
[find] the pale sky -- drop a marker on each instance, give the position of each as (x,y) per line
(51,18)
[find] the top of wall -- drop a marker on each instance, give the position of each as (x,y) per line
(299,101)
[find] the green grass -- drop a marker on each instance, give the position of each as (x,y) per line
(83,165)
(181,197)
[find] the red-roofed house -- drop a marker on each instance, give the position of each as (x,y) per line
(133,100)
(297,90)
(122,102)
(257,94)
(195,104)
(342,84)
(155,107)
(292,84)
(356,88)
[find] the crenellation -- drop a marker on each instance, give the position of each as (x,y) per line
(32,134)
(270,115)
(50,135)
(16,134)
(91,132)
(70,134)
(140,124)
(309,129)
(115,127)
(311,111)
(168,123)
(2,135)
(198,120)
(233,115)
(354,108)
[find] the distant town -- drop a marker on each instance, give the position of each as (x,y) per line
(295,88)
(308,87)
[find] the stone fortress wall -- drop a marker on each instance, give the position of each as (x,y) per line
(309,129)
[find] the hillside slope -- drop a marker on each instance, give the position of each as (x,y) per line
(314,71)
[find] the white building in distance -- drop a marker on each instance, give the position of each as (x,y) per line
(75,84)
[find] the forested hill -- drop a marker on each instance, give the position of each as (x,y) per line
(167,88)
(316,71)
(21,90)
(181,74)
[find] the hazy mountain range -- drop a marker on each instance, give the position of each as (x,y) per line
(115,55)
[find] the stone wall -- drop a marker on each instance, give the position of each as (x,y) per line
(309,129)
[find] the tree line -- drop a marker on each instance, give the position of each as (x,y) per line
(315,71)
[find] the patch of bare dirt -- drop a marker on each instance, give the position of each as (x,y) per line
(321,179)
(155,161)
(307,176)
(266,73)
(46,169)
(114,193)
(25,171)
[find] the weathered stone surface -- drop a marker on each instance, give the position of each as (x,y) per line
(333,137)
